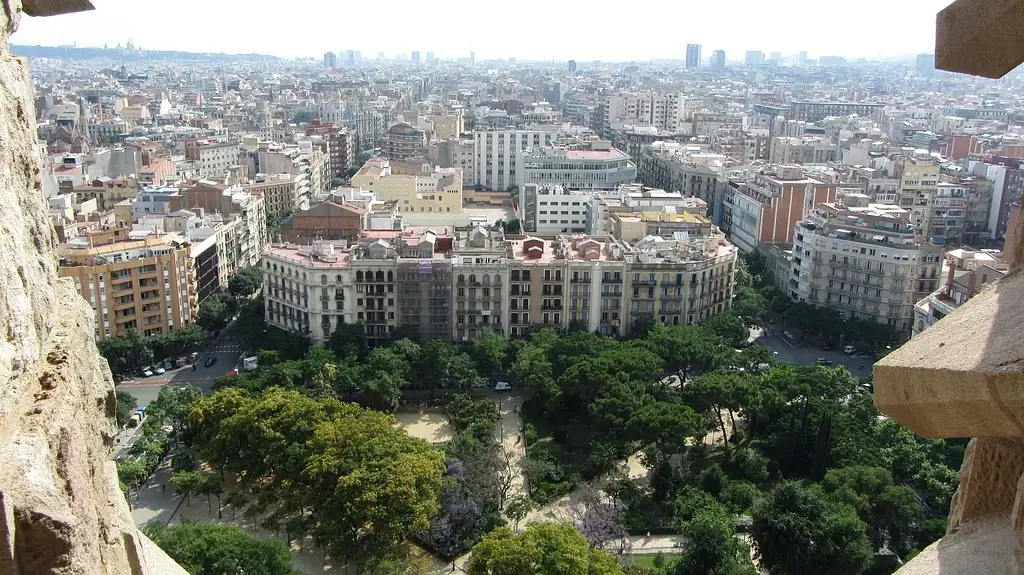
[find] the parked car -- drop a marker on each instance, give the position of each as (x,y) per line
(119,377)
(823,361)
(159,370)
(210,361)
(502,386)
(827,347)
(147,372)
(849,349)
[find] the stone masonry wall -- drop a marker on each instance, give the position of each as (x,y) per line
(61,510)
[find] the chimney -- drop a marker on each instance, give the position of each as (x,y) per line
(972,284)
(949,282)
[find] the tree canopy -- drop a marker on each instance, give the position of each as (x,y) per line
(209,549)
(542,549)
(344,473)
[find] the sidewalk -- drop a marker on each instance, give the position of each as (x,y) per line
(153,503)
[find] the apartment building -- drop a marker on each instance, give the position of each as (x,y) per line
(496,154)
(765,209)
(133,279)
(107,191)
(341,144)
(549,210)
(863,260)
(680,281)
(966,273)
(403,141)
(424,287)
(675,168)
(439,191)
(240,218)
(455,154)
(814,110)
(665,111)
(374,265)
(536,284)
(481,270)
(459,283)
(601,167)
(305,289)
(281,193)
(213,157)
(806,150)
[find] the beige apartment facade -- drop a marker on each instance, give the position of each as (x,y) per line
(864,261)
(147,284)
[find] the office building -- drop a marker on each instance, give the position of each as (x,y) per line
(430,58)
(496,154)
(718,60)
(925,64)
(571,66)
(552,209)
(330,60)
(601,167)
(692,56)
(134,279)
(754,58)
(416,57)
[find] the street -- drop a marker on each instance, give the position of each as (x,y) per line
(227,351)
(802,354)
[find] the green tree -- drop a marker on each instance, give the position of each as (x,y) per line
(712,547)
(246,282)
(488,352)
(891,511)
(187,482)
(209,549)
(348,340)
(126,404)
(542,549)
(729,326)
(131,472)
(216,311)
(518,507)
(799,530)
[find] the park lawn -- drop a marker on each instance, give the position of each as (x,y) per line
(647,561)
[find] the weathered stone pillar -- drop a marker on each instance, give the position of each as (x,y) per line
(61,510)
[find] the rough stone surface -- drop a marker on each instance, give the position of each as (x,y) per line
(986,546)
(61,511)
(980,37)
(988,480)
(964,376)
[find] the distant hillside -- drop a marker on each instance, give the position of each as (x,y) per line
(72,53)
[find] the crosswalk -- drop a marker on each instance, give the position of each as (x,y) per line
(227,348)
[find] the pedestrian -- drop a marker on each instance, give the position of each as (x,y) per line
(163,488)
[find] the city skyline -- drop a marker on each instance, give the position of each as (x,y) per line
(905,30)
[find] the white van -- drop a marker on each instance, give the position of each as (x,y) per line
(502,386)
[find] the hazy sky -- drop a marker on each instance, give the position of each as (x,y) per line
(525,29)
